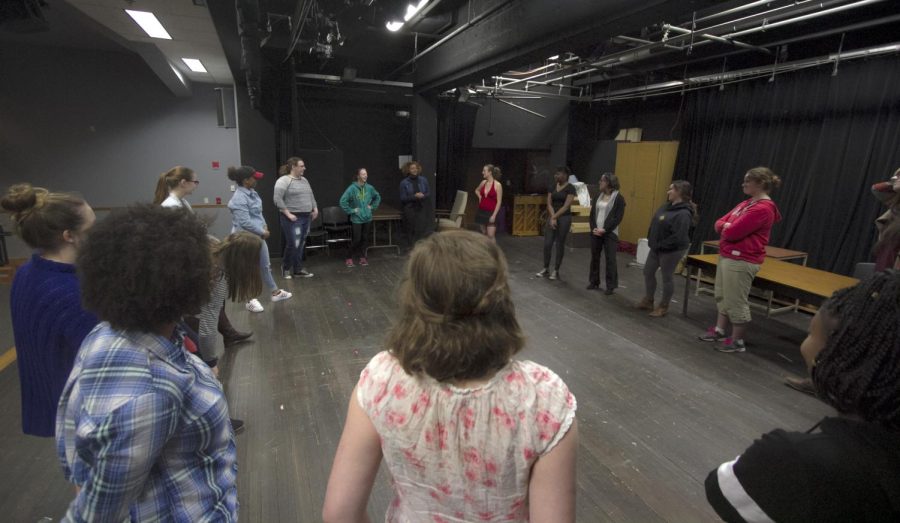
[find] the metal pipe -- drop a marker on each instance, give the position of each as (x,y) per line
(737,9)
(520,107)
(432,47)
(492,90)
(644,51)
(715,38)
(810,16)
(754,71)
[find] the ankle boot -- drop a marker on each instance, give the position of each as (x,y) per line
(660,311)
(645,304)
(230,335)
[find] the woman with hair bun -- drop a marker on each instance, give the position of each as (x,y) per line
(246,215)
(48,321)
(490,195)
(744,233)
(467,431)
(297,209)
(174,185)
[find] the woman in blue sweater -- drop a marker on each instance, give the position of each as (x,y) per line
(48,321)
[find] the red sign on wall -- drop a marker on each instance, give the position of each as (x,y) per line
(215,165)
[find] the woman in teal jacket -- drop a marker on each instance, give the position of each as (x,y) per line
(359,201)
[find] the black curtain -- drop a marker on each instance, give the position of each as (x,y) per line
(456,126)
(828,137)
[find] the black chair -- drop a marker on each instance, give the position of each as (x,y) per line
(337,225)
(317,237)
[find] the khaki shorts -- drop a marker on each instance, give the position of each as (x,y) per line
(733,281)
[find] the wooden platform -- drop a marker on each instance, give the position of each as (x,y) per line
(658,409)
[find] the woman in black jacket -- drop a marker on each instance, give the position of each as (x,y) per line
(669,238)
(606,214)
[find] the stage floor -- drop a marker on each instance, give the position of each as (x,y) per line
(657,408)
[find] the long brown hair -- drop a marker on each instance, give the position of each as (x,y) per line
(170,180)
(41,217)
(237,256)
(291,162)
(457,319)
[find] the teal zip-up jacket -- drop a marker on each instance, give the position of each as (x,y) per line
(357,200)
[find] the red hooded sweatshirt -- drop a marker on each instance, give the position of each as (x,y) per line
(747,236)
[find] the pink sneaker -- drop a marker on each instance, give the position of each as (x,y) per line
(364,262)
(349,262)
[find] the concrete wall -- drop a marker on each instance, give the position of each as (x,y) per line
(100,123)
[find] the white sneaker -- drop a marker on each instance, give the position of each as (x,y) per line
(254,306)
(281,295)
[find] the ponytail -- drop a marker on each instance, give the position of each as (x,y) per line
(286,168)
(169,180)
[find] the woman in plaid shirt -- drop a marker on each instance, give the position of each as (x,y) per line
(142,425)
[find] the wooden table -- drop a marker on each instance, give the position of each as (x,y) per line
(810,285)
(385,213)
(771,252)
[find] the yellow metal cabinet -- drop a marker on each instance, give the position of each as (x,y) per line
(645,171)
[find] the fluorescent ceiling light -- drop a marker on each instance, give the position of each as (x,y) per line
(194,65)
(411,10)
(394,26)
(149,24)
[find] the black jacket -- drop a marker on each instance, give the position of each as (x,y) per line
(670,228)
(613,219)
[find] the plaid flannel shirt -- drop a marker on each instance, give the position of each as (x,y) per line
(143,430)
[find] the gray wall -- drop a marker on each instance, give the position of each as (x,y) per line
(500,126)
(100,123)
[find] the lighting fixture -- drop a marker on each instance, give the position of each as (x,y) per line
(411,11)
(149,23)
(194,65)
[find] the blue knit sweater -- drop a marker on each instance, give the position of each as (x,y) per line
(49,326)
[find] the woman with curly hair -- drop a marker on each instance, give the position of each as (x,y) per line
(845,468)
(45,302)
(246,215)
(142,426)
(468,432)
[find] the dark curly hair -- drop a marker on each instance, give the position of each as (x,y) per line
(858,370)
(457,319)
(144,267)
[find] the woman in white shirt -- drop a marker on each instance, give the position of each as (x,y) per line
(174,185)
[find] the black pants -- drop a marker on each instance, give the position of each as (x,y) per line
(608,243)
(415,226)
(360,239)
(556,236)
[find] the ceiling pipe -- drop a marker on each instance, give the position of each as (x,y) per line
(633,55)
(811,36)
(491,10)
(737,9)
(719,78)
(715,38)
(517,106)
(772,25)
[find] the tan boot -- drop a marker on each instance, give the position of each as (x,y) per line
(660,311)
(645,304)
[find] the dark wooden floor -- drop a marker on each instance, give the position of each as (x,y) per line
(657,408)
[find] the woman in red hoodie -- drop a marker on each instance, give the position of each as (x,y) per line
(744,234)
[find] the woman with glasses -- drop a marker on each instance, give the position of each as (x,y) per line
(174,185)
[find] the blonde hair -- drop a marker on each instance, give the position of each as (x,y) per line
(170,180)
(457,319)
(237,256)
(41,217)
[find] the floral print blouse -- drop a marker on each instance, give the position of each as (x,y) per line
(463,454)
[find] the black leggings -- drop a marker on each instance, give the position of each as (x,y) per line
(360,239)
(557,236)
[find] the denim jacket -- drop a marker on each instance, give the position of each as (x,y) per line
(246,211)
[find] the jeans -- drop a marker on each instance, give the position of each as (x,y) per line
(666,262)
(265,267)
(556,236)
(608,242)
(360,240)
(294,240)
